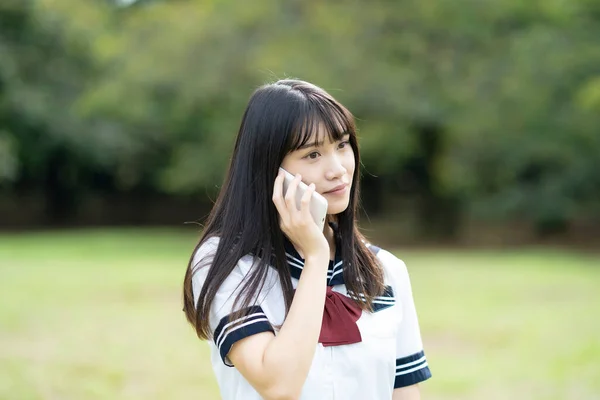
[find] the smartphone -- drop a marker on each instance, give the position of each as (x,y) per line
(318,203)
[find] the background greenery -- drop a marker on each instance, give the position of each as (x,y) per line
(97,315)
(485,111)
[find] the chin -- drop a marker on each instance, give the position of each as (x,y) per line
(338,207)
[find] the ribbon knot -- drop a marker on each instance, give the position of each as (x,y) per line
(339,320)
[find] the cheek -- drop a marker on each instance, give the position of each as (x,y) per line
(309,175)
(293,166)
(349,162)
(288,163)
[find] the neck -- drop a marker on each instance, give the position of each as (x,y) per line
(329,235)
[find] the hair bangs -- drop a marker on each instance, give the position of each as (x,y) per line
(320,115)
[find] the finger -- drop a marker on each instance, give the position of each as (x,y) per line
(305,201)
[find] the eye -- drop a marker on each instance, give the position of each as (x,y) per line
(343,144)
(312,156)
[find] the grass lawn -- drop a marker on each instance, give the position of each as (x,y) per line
(88,315)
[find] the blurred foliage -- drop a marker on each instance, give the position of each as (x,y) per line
(496,103)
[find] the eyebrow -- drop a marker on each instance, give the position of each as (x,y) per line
(317,144)
(308,145)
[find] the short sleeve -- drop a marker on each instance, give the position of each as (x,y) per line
(226,329)
(411,363)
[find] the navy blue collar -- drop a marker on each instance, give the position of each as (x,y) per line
(335,271)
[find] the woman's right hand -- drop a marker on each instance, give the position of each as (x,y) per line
(298,224)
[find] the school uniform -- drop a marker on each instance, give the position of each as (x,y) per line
(360,355)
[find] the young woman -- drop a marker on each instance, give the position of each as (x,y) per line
(293,312)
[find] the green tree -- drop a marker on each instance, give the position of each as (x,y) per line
(485,110)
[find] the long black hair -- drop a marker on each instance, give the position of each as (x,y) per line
(280,118)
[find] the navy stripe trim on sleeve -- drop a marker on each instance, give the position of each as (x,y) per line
(411,370)
(229,332)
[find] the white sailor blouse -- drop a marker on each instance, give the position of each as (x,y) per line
(389,353)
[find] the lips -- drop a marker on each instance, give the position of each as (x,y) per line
(337,188)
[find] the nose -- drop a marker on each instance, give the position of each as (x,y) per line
(336,169)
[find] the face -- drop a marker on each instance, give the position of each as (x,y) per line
(329,165)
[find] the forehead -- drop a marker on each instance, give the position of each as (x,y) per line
(319,132)
(323,135)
